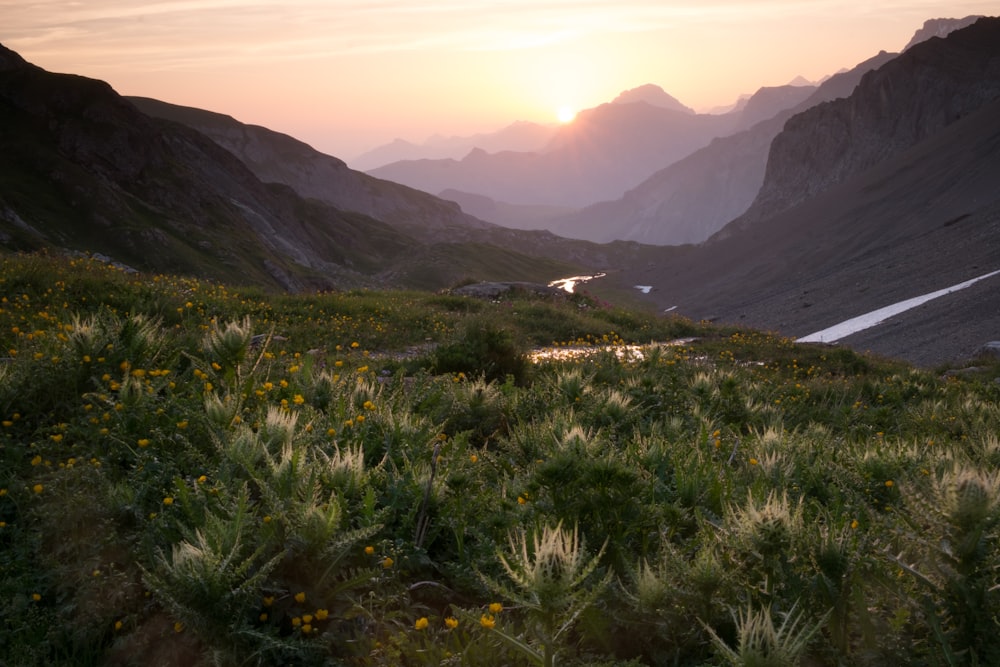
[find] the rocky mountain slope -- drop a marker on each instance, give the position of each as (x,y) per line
(278,158)
(893,108)
(939,28)
(82,168)
(429,220)
(906,203)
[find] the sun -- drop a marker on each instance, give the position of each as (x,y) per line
(565,114)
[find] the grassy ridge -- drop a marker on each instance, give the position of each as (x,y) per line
(192,474)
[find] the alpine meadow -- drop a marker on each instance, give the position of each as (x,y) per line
(199,474)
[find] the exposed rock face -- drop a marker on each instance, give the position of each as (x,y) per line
(894,107)
(939,28)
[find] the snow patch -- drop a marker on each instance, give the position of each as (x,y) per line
(876,317)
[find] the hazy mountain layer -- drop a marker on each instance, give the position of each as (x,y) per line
(518,136)
(604,152)
(695,197)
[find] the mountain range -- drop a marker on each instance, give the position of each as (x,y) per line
(878,185)
(189,191)
(685,202)
(695,197)
(521,136)
(603,152)
(884,195)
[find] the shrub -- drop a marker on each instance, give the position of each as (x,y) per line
(483,349)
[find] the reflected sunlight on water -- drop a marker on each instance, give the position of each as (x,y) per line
(569,284)
(626,353)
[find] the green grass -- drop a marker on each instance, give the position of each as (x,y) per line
(192,473)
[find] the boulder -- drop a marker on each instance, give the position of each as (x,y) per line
(990,349)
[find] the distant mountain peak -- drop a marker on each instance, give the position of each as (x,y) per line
(653,95)
(940,28)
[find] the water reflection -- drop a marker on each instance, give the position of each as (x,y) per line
(627,353)
(569,284)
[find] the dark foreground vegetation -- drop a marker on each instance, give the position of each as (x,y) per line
(195,475)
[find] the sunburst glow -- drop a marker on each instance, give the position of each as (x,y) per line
(566,114)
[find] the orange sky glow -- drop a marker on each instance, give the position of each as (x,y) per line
(348,75)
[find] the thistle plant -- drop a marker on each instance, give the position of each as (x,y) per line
(764,533)
(228,344)
(954,554)
(761,644)
(549,572)
(209,578)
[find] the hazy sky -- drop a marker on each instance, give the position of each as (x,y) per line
(347,75)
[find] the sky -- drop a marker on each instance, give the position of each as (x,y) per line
(348,75)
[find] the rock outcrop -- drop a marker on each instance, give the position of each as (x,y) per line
(894,107)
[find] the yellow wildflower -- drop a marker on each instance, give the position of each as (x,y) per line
(369,550)
(496,607)
(387,562)
(451,622)
(487,621)
(300,597)
(421,623)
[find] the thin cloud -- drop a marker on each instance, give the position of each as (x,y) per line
(188,33)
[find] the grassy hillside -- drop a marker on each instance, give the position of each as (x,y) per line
(198,474)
